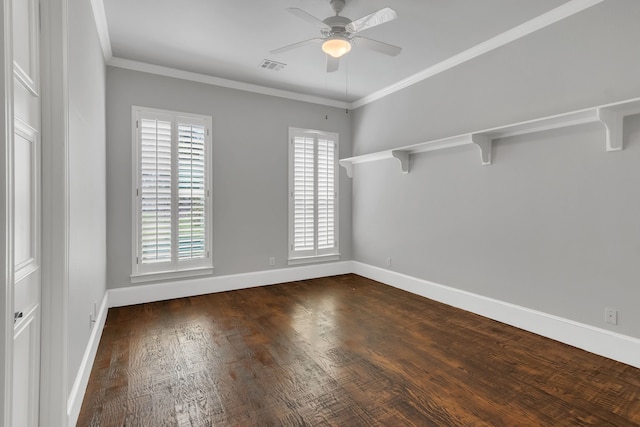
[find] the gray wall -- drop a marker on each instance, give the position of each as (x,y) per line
(582,61)
(553,224)
(250,163)
(87,178)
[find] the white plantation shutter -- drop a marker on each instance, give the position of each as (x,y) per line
(313,194)
(304,194)
(155,190)
(191,191)
(326,194)
(173,208)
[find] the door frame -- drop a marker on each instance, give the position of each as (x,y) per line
(54,388)
(6,214)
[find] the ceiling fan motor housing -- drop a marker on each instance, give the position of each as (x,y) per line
(337,24)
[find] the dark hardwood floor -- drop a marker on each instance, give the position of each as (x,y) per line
(343,351)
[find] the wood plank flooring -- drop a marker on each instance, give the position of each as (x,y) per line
(342,351)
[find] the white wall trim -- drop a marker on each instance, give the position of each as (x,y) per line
(599,341)
(55,213)
(100,17)
(74,403)
(6,214)
(180,289)
(217,81)
(566,10)
(605,343)
(555,15)
(186,288)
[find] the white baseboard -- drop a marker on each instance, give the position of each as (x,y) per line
(207,285)
(74,403)
(605,343)
(170,290)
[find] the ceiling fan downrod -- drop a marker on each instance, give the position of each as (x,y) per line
(337,5)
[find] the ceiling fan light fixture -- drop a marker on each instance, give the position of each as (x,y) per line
(336,46)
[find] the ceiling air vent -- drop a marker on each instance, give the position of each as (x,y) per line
(272,65)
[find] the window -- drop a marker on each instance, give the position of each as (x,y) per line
(313,196)
(172,203)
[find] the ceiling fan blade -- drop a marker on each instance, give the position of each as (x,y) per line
(296,45)
(376,18)
(378,46)
(309,18)
(332,64)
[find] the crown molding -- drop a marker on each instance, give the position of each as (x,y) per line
(103,30)
(568,9)
(217,81)
(555,15)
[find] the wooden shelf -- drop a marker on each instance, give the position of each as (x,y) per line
(611,116)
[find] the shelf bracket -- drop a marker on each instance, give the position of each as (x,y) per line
(484,143)
(612,121)
(348,166)
(403,157)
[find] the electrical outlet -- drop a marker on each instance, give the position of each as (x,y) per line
(272,261)
(611,316)
(388,261)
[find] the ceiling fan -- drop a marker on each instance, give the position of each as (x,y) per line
(340,33)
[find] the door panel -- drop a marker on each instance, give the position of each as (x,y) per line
(25,198)
(26,104)
(26,348)
(23,201)
(25,42)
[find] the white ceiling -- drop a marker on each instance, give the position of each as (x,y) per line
(229,39)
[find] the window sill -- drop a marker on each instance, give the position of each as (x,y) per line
(312,259)
(168,275)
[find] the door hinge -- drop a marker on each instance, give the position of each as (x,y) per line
(208,193)
(136,124)
(207,132)
(208,256)
(137,260)
(137,192)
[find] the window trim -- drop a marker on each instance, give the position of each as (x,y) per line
(318,255)
(172,270)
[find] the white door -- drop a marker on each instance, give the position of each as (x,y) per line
(27,208)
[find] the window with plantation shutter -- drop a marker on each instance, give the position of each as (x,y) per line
(313,196)
(172,206)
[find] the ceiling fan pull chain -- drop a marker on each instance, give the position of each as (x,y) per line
(346,87)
